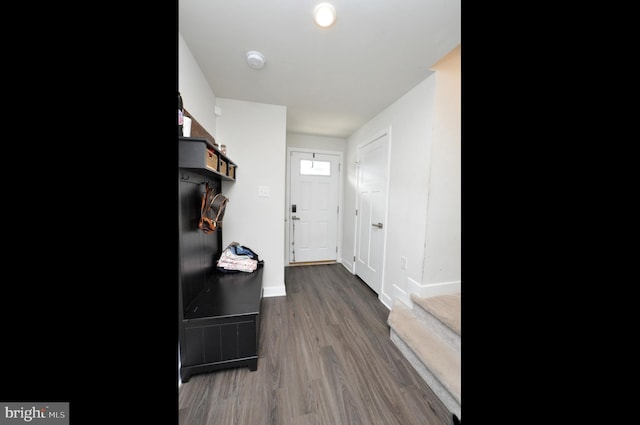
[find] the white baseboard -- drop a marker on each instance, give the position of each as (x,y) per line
(274,291)
(401,295)
(432,289)
(413,287)
(347,265)
(386,300)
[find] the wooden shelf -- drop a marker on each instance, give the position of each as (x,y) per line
(202,156)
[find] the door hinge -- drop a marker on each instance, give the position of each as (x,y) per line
(336,249)
(338,209)
(354,258)
(356,211)
(339,166)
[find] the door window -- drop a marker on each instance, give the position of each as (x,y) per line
(315,168)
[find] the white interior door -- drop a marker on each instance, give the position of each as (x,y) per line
(313,206)
(371,205)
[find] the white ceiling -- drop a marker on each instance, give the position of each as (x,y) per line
(332,80)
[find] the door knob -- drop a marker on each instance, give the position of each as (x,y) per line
(293,217)
(379,225)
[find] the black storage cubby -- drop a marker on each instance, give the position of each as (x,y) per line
(219,313)
(202,156)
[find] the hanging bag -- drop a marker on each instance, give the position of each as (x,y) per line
(211,210)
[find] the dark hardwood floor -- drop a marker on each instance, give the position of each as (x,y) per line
(325,358)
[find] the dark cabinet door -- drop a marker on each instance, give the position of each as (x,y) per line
(214,343)
(247,339)
(238,340)
(203,344)
(194,347)
(229,337)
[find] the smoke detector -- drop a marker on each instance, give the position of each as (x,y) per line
(255,59)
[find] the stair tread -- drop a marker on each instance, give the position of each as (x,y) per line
(440,358)
(445,307)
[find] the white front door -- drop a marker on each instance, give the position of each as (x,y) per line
(371,207)
(313,207)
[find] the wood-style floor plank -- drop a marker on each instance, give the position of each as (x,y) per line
(325,358)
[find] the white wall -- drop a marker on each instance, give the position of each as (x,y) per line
(308,141)
(255,135)
(197,96)
(424,186)
(410,120)
(442,261)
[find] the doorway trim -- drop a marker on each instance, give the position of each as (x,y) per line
(287,207)
(375,136)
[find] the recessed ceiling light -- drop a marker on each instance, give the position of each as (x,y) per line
(255,59)
(324,14)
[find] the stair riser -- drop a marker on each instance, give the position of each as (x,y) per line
(434,324)
(436,386)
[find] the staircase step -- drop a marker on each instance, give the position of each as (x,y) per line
(442,315)
(445,308)
(434,359)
